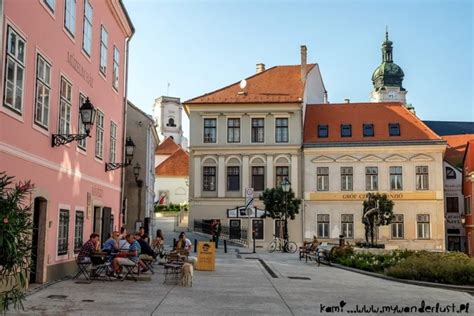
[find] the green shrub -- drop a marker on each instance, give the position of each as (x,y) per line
(449,268)
(368,261)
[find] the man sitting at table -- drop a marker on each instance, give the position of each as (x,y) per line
(112,244)
(147,253)
(127,258)
(88,249)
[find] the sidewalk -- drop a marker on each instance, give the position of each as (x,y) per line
(241,285)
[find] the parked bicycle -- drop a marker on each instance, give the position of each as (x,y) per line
(281,244)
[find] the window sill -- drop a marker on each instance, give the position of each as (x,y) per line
(41,129)
(69,35)
(12,113)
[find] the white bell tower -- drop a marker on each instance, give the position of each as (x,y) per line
(168,114)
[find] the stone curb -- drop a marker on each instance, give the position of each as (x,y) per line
(461,288)
(43,286)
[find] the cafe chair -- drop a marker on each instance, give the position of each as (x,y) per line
(83,269)
(130,270)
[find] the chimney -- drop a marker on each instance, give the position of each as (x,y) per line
(325,97)
(260,68)
(347,100)
(304,57)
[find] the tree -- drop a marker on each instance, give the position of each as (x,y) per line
(378,211)
(280,205)
(15,241)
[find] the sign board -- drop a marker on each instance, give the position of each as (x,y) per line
(206,256)
(249,197)
(360,196)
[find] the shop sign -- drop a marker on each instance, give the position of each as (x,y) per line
(206,256)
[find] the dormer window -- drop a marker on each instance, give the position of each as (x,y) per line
(450,173)
(394,129)
(323,131)
(368,130)
(346,130)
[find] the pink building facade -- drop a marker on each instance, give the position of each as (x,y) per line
(55,53)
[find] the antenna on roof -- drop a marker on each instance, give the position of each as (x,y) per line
(168,89)
(242,86)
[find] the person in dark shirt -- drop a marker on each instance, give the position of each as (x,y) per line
(88,248)
(146,249)
(143,235)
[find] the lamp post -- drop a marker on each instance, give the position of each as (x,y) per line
(286,186)
(136,173)
(87,112)
(129,150)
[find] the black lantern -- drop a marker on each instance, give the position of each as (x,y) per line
(136,170)
(286,186)
(129,150)
(87,112)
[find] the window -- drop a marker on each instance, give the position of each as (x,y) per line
(281,174)
(99,135)
(368,130)
(258,178)
(322,178)
(423,226)
(346,130)
(346,178)
(396,178)
(450,173)
(422,177)
(233,178)
(371,178)
(323,131)
(279,228)
(115,81)
(65,107)
(397,226)
(63,232)
(87,28)
(113,141)
(78,231)
(171,122)
(50,4)
(210,130)
(233,130)
(467,205)
(209,178)
(347,224)
(452,204)
(81,128)
(257,226)
(43,88)
(394,129)
(258,130)
(281,130)
(323,225)
(70,16)
(14,70)
(103,50)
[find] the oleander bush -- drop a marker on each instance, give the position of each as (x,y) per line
(450,268)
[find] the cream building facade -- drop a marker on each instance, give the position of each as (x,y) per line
(248,135)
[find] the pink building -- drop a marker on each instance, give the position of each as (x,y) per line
(55,54)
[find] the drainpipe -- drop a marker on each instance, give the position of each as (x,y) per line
(302,175)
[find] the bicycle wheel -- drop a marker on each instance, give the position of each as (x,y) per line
(272,246)
(291,247)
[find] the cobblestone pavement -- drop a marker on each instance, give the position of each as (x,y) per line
(241,285)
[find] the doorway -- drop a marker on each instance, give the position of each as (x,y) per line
(234,232)
(38,240)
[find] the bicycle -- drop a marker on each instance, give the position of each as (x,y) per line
(282,245)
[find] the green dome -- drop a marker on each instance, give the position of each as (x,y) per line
(388,73)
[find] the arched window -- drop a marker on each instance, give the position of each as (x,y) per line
(171,122)
(450,173)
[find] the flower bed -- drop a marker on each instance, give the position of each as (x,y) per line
(449,268)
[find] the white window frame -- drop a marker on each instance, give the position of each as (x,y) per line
(423,230)
(395,176)
(233,175)
(65,102)
(422,178)
(209,187)
(50,4)
(234,129)
(282,176)
(43,86)
(371,179)
(399,221)
(325,224)
(87,28)
(103,49)
(113,141)
(116,69)
(62,208)
(282,137)
(257,139)
(70,16)
(347,225)
(99,135)
(76,250)
(18,62)
(322,179)
(347,178)
(209,140)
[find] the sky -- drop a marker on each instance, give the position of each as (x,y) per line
(200,46)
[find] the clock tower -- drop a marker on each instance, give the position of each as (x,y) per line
(388,77)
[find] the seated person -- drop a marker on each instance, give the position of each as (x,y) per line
(159,241)
(112,244)
(88,249)
(123,244)
(146,252)
(183,242)
(144,235)
(127,258)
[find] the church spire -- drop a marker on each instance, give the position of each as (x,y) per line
(387,49)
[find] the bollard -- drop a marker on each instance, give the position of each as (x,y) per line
(341,240)
(225,246)
(174,243)
(195,245)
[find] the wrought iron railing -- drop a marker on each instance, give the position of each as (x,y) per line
(234,235)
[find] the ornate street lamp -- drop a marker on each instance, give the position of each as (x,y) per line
(129,149)
(87,112)
(286,186)
(136,173)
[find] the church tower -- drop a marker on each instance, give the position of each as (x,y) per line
(388,77)
(168,114)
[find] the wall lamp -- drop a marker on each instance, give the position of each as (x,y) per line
(87,112)
(136,173)
(129,149)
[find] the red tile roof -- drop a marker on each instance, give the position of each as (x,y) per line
(167,147)
(279,84)
(456,148)
(175,165)
(357,114)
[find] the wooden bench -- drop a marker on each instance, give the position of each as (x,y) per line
(323,252)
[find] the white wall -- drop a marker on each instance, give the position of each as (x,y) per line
(176,187)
